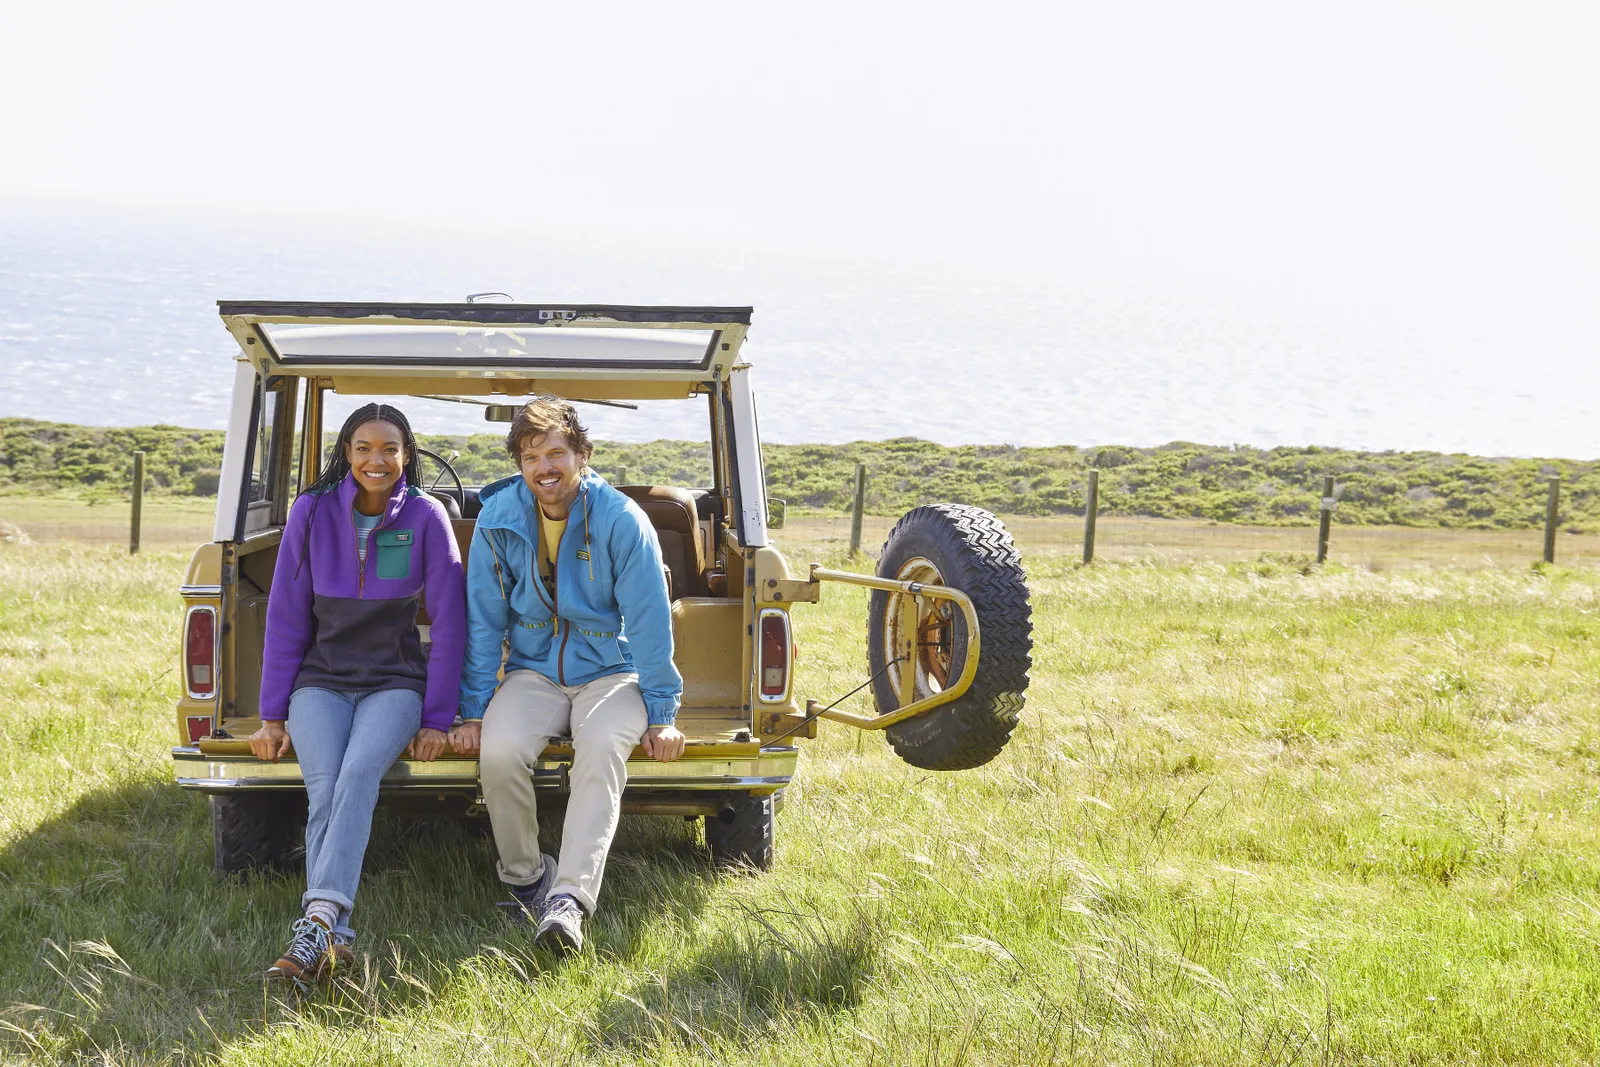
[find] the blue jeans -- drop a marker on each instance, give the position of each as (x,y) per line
(345,742)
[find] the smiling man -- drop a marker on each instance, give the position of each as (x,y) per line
(567,571)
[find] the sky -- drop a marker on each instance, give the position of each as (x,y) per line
(1428,166)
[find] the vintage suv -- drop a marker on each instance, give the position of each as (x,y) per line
(948,574)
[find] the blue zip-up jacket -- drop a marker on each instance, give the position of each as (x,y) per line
(610,612)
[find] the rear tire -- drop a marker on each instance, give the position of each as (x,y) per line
(741,834)
(969,549)
(258,832)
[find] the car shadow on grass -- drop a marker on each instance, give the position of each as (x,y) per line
(117,934)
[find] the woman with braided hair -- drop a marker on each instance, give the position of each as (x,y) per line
(343,672)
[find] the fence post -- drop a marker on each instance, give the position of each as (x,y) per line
(1326,520)
(622,476)
(138,502)
(1552,502)
(855,508)
(1091,509)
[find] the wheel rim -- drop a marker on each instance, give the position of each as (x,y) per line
(935,638)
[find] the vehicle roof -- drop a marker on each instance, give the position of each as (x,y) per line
(603,351)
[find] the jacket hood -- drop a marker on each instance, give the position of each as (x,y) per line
(508,503)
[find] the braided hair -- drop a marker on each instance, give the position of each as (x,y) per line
(339,462)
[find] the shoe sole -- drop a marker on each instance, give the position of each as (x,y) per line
(330,964)
(556,940)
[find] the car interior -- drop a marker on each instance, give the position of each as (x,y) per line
(708,624)
(685,521)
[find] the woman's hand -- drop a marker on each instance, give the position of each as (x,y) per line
(427,746)
(271,742)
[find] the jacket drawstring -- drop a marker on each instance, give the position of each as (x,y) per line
(498,576)
(587,550)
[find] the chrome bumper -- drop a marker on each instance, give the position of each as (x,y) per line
(770,771)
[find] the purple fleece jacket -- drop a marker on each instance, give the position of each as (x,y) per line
(336,624)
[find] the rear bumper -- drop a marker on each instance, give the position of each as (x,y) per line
(767,772)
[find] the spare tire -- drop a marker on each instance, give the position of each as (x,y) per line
(969,549)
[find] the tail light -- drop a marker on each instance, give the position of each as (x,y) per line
(773,666)
(200,653)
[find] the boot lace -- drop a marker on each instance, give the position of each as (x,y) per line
(311,942)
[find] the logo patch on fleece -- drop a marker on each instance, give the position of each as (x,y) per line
(582,554)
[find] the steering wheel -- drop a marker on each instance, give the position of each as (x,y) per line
(460,491)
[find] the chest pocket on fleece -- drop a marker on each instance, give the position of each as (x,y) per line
(394,552)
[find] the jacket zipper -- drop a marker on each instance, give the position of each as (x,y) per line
(555,602)
(561,657)
(361,564)
(555,581)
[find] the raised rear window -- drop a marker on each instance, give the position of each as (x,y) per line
(366,344)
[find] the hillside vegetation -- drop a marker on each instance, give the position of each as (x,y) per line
(1276,486)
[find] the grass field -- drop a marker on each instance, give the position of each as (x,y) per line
(164,520)
(1251,816)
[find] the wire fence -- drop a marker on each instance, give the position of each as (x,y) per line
(1127,538)
(165,522)
(1133,538)
(185,521)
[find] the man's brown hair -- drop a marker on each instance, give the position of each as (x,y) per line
(543,415)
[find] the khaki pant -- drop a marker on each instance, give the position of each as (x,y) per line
(605,719)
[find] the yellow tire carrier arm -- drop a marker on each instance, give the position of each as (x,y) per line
(909,605)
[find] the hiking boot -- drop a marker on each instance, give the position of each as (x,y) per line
(312,953)
(527,900)
(560,925)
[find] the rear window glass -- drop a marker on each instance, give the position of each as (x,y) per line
(533,345)
(660,442)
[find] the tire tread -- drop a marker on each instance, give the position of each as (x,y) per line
(971,730)
(746,841)
(257,832)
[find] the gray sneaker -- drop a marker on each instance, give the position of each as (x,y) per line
(561,925)
(527,900)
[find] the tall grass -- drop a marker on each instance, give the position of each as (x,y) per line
(1251,815)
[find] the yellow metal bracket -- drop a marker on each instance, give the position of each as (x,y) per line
(908,604)
(788,591)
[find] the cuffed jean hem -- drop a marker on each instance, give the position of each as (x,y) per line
(341,926)
(327,894)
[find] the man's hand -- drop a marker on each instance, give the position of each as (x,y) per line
(464,739)
(427,746)
(663,743)
(271,742)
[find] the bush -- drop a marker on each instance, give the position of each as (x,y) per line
(1276,486)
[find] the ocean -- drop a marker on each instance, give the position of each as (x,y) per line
(110,319)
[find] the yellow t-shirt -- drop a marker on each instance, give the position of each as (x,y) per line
(553,529)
